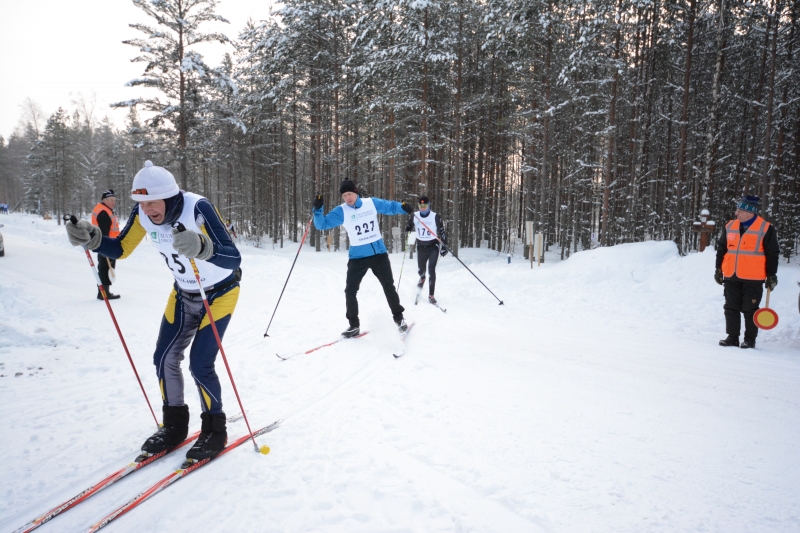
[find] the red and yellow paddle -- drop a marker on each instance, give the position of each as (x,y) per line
(766,318)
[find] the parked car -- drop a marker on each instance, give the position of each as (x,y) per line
(2,246)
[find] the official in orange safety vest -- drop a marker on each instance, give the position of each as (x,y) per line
(103,216)
(747,259)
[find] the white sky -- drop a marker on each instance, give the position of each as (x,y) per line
(54,50)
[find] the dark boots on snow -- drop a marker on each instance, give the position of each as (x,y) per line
(730,340)
(748,344)
(108,293)
(431,299)
(421,282)
(171,433)
(212,440)
(352,331)
(401,325)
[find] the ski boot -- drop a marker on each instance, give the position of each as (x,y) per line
(350,332)
(748,344)
(421,282)
(432,300)
(212,440)
(401,325)
(171,433)
(108,293)
(730,340)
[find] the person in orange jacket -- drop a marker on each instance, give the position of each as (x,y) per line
(747,259)
(103,217)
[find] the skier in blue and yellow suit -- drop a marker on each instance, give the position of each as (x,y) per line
(161,207)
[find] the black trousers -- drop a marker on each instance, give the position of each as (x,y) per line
(428,253)
(102,268)
(382,268)
(742,298)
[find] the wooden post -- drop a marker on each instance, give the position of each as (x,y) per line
(704,227)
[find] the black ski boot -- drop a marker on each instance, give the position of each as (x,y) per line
(108,293)
(212,440)
(421,282)
(730,340)
(431,299)
(350,332)
(171,433)
(748,344)
(401,325)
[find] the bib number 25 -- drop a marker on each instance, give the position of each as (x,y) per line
(179,266)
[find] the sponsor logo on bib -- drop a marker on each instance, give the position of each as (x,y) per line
(154,236)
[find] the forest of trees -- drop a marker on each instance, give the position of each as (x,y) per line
(602,121)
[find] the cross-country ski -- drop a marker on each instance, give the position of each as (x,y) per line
(189,466)
(340,339)
(142,459)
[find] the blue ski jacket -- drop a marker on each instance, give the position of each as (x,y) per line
(336,218)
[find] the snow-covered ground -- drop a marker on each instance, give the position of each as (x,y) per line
(595,400)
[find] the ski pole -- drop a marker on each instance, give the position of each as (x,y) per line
(401,268)
(459,260)
(74,220)
(308,227)
(264,449)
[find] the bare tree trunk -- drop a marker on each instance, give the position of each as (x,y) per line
(766,193)
(680,222)
(713,134)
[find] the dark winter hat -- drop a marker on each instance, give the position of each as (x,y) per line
(751,204)
(348,186)
(108,194)
(424,200)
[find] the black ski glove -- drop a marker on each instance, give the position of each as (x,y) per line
(718,277)
(444,251)
(318,202)
(772,281)
(407,208)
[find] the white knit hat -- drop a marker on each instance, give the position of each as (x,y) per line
(153,183)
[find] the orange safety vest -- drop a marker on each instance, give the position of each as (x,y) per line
(114,231)
(745,256)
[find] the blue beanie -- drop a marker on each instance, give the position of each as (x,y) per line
(751,204)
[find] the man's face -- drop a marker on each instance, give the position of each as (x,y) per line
(110,202)
(349,198)
(155,209)
(743,216)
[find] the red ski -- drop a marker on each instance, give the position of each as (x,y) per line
(137,464)
(340,339)
(186,469)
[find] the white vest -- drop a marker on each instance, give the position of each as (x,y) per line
(161,237)
(422,232)
(361,224)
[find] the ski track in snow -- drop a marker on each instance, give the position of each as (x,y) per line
(594,400)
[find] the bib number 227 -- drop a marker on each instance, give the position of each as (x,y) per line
(366,227)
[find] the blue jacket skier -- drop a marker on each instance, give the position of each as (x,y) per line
(359,216)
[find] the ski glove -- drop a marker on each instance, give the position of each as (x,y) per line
(718,277)
(772,281)
(444,251)
(318,202)
(192,245)
(407,208)
(84,233)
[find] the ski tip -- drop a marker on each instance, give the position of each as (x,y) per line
(282,358)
